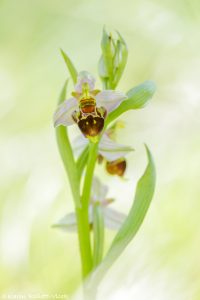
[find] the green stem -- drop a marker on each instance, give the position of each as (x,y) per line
(83,213)
(81,161)
(98,227)
(89,175)
(84,240)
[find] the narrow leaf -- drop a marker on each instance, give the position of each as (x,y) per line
(62,96)
(66,154)
(70,66)
(143,196)
(138,97)
(82,160)
(69,162)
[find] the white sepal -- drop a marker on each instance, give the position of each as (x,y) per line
(99,191)
(63,114)
(79,144)
(84,77)
(110,99)
(113,219)
(67,223)
(112,150)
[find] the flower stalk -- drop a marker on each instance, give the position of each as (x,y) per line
(98,229)
(83,213)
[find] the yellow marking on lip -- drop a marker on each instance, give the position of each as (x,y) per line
(94,121)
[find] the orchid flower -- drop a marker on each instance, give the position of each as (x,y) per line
(87,107)
(112,218)
(109,150)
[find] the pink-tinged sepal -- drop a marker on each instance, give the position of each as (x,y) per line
(110,99)
(84,77)
(63,114)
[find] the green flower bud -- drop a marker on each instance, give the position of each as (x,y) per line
(120,60)
(113,59)
(108,52)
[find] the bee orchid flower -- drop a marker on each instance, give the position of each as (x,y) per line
(87,107)
(112,218)
(109,150)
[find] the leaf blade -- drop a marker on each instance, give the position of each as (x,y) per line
(143,196)
(72,70)
(62,96)
(138,97)
(66,153)
(142,200)
(82,161)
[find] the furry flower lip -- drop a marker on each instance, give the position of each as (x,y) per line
(116,167)
(87,107)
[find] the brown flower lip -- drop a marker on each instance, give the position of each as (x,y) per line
(90,119)
(91,125)
(116,167)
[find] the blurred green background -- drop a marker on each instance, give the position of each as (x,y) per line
(163,42)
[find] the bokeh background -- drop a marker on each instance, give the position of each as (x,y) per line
(163,40)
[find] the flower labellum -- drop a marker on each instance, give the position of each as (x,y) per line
(116,167)
(90,123)
(109,152)
(100,158)
(88,107)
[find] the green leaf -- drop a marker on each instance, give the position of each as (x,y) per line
(143,196)
(98,227)
(66,154)
(70,66)
(82,160)
(138,97)
(62,96)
